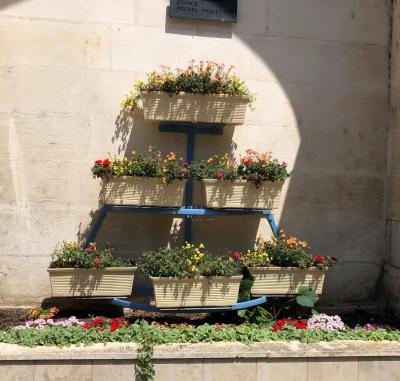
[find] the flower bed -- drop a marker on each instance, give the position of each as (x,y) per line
(76,271)
(255,182)
(206,92)
(282,265)
(190,277)
(149,179)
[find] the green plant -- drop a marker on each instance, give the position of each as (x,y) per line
(150,164)
(42,313)
(299,306)
(141,331)
(187,261)
(255,167)
(292,252)
(205,77)
(72,254)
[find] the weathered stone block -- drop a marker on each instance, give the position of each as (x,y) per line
(230,369)
(115,370)
(341,20)
(63,370)
(345,369)
(282,370)
(16,370)
(76,10)
(375,368)
(185,370)
(76,45)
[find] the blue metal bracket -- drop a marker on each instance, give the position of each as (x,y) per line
(184,211)
(152,308)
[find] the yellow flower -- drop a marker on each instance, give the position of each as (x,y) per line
(201,246)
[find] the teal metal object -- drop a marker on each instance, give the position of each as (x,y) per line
(186,211)
(150,308)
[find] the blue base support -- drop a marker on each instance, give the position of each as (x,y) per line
(151,308)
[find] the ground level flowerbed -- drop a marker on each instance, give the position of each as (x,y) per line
(43,329)
(74,331)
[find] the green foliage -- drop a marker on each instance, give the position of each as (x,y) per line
(292,252)
(255,167)
(150,164)
(299,306)
(72,254)
(186,262)
(245,285)
(206,77)
(306,297)
(74,335)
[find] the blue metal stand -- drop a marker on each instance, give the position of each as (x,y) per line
(151,308)
(187,212)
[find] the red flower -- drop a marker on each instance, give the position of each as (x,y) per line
(236,255)
(276,327)
(300,324)
(320,258)
(100,329)
(114,325)
(249,161)
(98,321)
(106,162)
(219,175)
(89,249)
(99,162)
(86,326)
(283,164)
(98,261)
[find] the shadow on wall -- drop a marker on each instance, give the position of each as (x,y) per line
(338,94)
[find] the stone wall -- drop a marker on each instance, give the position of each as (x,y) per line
(320,71)
(279,361)
(392,260)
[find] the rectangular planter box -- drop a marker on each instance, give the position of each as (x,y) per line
(196,292)
(147,191)
(286,280)
(240,194)
(186,107)
(110,281)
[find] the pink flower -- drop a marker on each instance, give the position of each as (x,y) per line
(219,175)
(89,249)
(249,161)
(284,164)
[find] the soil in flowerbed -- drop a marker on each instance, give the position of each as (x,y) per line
(10,317)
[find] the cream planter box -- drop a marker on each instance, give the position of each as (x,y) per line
(196,292)
(147,191)
(186,107)
(241,194)
(110,281)
(286,280)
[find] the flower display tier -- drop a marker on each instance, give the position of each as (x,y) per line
(240,194)
(196,292)
(286,280)
(145,191)
(184,107)
(111,281)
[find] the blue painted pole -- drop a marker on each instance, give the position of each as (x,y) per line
(189,185)
(93,233)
